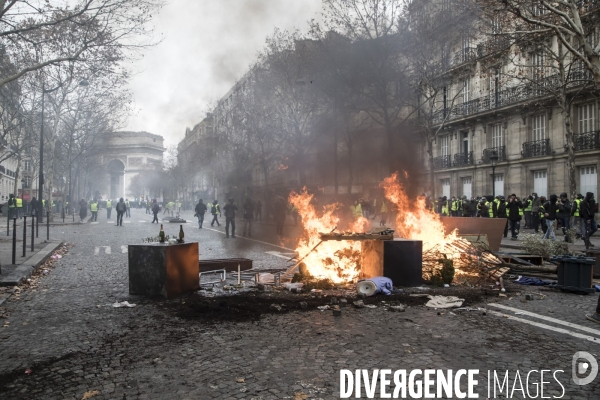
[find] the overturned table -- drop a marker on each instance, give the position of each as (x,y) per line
(163,269)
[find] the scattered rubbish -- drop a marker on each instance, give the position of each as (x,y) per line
(323,308)
(213,386)
(502,295)
(525,280)
(295,287)
(123,304)
(244,389)
(372,286)
(240,380)
(469,309)
(418,295)
(397,309)
(45,272)
(303,305)
(334,300)
(28,371)
(316,291)
(359,303)
(535,296)
(444,302)
(337,312)
(370,306)
(275,307)
(90,394)
(300,396)
(446,285)
(343,302)
(265,288)
(266,277)
(56,256)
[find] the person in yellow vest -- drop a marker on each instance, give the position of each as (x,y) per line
(12,206)
(356,210)
(383,212)
(453,207)
(94,210)
(128,208)
(576,212)
(527,211)
(108,208)
(19,207)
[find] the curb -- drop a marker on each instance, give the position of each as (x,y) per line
(25,270)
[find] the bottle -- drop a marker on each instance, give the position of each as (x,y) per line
(181,235)
(161,234)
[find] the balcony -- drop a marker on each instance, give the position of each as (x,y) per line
(442,162)
(537,148)
(509,96)
(492,46)
(500,151)
(587,141)
(463,159)
(462,56)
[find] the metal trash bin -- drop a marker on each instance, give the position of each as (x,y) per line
(596,255)
(575,274)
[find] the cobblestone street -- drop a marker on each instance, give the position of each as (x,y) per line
(74,341)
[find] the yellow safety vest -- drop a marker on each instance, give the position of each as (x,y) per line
(108,204)
(127,203)
(529,205)
(490,209)
(445,209)
(94,206)
(19,203)
(577,205)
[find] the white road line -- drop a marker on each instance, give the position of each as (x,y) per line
(548,327)
(547,319)
(123,249)
(94,223)
(109,222)
(142,221)
(252,240)
(106,250)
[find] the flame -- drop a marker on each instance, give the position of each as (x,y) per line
(414,221)
(335,260)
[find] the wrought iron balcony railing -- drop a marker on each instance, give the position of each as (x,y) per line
(508,96)
(493,45)
(462,159)
(442,162)
(587,141)
(537,148)
(462,56)
(500,152)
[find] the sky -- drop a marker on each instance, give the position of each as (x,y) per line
(207,46)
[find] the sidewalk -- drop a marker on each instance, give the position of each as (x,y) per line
(58,221)
(577,247)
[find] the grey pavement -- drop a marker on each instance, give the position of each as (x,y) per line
(73,341)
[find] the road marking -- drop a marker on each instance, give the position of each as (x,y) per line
(106,250)
(142,221)
(252,240)
(93,223)
(126,222)
(109,222)
(548,319)
(123,249)
(548,327)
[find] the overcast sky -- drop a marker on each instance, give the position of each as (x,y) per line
(207,46)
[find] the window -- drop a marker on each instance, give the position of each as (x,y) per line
(497,135)
(446,187)
(466,90)
(538,9)
(537,66)
(539,128)
(589,180)
(27,182)
(586,118)
(499,185)
(467,187)
(26,165)
(540,183)
(445,146)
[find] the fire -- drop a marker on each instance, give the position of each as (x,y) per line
(335,260)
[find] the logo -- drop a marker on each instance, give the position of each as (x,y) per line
(581,368)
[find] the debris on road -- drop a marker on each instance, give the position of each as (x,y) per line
(123,304)
(90,394)
(444,302)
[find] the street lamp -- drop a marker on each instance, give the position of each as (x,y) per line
(494,159)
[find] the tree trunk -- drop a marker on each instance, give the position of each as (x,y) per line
(17,173)
(431,170)
(570,152)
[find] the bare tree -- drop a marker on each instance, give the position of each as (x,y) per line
(33,33)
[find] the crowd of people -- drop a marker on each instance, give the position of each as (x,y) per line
(537,211)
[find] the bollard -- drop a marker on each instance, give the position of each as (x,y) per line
(32,231)
(14,253)
(48,225)
(63,215)
(8,223)
(24,234)
(37,224)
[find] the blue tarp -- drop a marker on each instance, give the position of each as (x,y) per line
(384,285)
